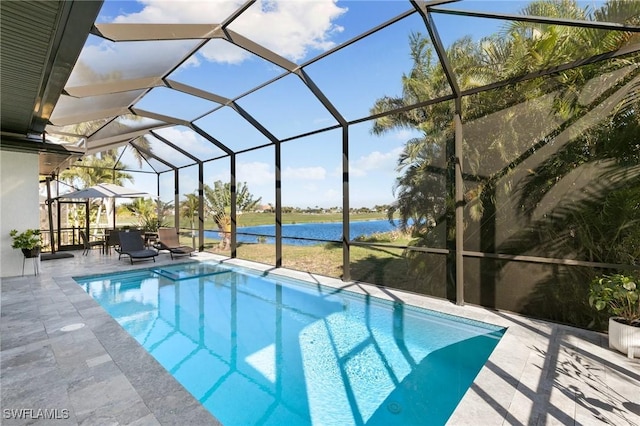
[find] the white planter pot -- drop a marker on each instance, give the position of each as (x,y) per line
(624,338)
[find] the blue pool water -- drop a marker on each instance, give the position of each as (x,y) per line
(257,349)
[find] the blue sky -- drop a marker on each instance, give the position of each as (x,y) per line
(352,80)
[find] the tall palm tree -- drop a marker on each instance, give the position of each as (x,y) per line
(94,170)
(218,206)
(145,211)
(218,198)
(521,48)
(189,210)
(511,125)
(163,209)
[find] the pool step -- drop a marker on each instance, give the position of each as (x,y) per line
(181,275)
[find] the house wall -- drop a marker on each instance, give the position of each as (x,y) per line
(19,204)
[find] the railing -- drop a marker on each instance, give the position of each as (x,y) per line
(46,240)
(188,236)
(68,238)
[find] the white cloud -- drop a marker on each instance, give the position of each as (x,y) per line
(181,11)
(291,28)
(255,173)
(304,173)
(189,141)
(223,51)
(380,162)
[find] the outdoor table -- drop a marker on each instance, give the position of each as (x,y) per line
(150,237)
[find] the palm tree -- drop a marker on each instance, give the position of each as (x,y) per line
(145,211)
(504,128)
(218,206)
(189,210)
(94,170)
(522,47)
(163,209)
(218,198)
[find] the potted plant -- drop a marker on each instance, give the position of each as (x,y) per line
(151,224)
(28,241)
(619,295)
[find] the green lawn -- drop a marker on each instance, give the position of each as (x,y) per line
(372,264)
(326,259)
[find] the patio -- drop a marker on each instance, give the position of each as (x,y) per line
(540,373)
(510,122)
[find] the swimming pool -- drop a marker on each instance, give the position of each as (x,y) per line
(259,349)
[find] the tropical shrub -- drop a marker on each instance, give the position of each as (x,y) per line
(29,239)
(617,294)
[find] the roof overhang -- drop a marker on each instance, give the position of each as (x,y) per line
(41,42)
(53,157)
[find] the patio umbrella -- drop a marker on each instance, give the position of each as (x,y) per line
(106,190)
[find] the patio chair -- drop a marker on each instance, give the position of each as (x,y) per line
(132,244)
(168,240)
(88,244)
(113,240)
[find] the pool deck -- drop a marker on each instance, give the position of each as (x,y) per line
(539,374)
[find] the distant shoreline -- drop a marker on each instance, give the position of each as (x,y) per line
(309,233)
(314,221)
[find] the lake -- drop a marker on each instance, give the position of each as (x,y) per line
(317,230)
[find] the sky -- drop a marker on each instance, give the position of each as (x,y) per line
(352,79)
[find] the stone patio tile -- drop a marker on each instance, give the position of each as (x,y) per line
(81,376)
(590,411)
(498,384)
(104,371)
(40,356)
(70,354)
(26,382)
(83,303)
(19,338)
(119,413)
(148,420)
(563,402)
(115,392)
(101,359)
(93,321)
(36,397)
(15,302)
(179,410)
(82,335)
(133,413)
(59,421)
(22,325)
(488,405)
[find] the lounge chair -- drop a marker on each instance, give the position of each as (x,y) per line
(88,245)
(168,240)
(132,244)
